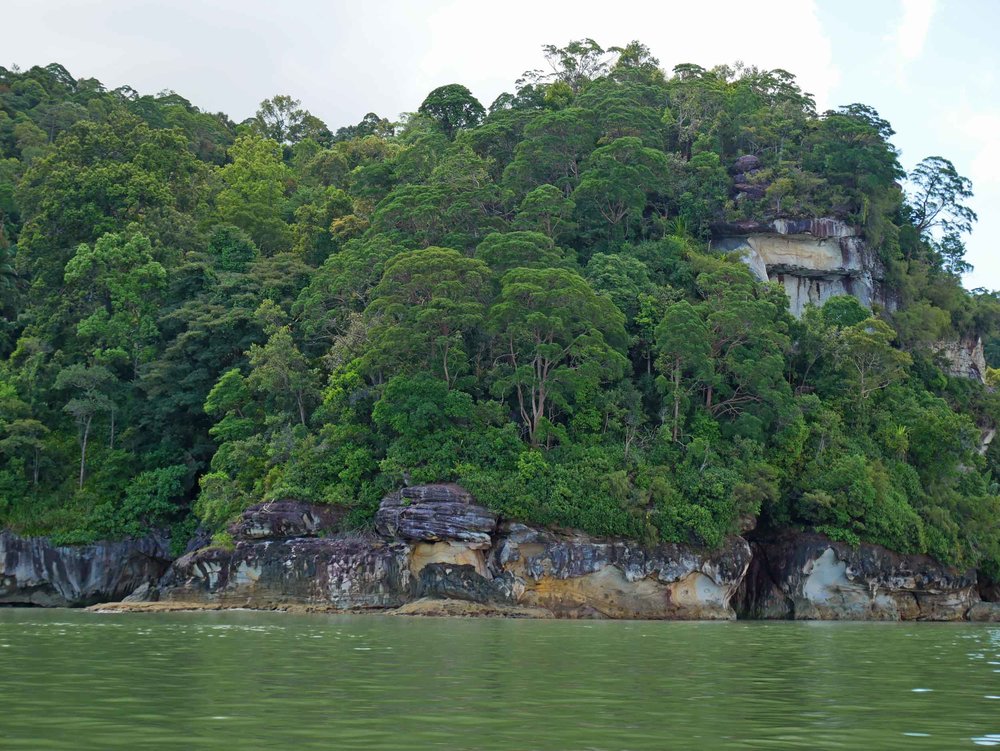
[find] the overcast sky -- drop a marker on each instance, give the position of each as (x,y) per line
(930,67)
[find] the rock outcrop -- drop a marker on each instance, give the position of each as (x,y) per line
(810,577)
(433,513)
(280,519)
(814,259)
(33,571)
(576,576)
(348,574)
(963,358)
(985,612)
(441,553)
(438,544)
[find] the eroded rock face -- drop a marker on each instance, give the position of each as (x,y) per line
(576,576)
(281,519)
(809,577)
(349,574)
(434,513)
(814,259)
(451,582)
(445,554)
(964,358)
(33,571)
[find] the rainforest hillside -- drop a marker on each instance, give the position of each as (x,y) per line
(200,314)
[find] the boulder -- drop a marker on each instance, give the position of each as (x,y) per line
(753,191)
(434,513)
(273,520)
(810,577)
(985,612)
(33,571)
(746,163)
(576,576)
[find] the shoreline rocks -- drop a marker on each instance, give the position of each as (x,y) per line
(441,553)
(35,572)
(807,576)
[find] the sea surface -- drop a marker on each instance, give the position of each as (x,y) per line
(245,680)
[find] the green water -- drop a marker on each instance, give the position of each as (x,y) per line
(241,680)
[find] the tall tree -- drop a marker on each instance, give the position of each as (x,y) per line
(554,338)
(253,193)
(89,386)
(453,108)
(939,197)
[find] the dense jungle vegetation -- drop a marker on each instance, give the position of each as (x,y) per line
(199,314)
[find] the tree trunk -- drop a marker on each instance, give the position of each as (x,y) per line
(83,448)
(302,407)
(677,399)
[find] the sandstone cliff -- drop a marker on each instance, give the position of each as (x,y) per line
(814,259)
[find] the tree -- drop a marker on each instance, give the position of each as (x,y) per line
(119,287)
(278,371)
(232,248)
(100,177)
(430,302)
(282,119)
(453,108)
(503,251)
(89,385)
(554,337)
(613,187)
(867,358)
(253,193)
(25,438)
(577,63)
(554,145)
(546,209)
(938,197)
(685,350)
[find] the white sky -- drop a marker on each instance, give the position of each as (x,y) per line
(929,67)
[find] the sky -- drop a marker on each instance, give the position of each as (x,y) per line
(930,67)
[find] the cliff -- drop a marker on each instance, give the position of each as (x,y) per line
(815,259)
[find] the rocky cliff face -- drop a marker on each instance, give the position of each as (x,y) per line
(33,571)
(576,576)
(815,259)
(963,358)
(440,552)
(810,577)
(438,543)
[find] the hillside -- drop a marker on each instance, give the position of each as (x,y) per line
(575,302)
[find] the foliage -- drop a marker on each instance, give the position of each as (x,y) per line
(197,316)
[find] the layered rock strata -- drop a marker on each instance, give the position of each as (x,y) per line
(814,259)
(33,571)
(810,577)
(440,552)
(439,544)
